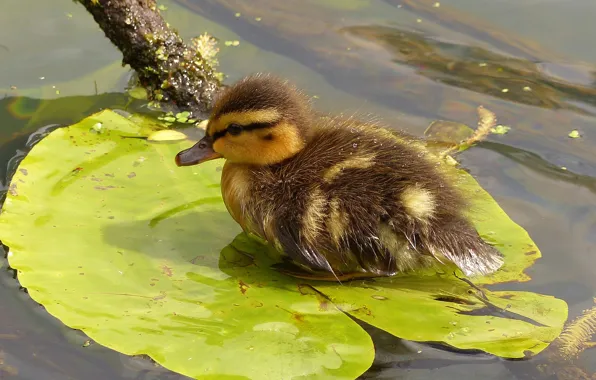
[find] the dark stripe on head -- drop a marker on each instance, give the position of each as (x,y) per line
(249,127)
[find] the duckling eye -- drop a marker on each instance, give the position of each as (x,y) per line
(234,129)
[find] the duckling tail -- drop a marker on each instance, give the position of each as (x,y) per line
(460,244)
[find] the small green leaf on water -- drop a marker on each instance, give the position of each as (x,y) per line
(170,119)
(258,19)
(137,93)
(237,14)
(166,135)
(574,134)
(69,15)
(162,8)
(232,43)
(500,129)
(182,116)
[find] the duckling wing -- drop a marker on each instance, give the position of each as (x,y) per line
(363,200)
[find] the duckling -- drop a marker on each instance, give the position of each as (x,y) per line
(339,198)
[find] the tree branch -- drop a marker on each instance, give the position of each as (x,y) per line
(170,70)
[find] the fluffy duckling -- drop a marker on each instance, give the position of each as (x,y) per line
(339,198)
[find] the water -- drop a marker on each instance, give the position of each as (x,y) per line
(408,63)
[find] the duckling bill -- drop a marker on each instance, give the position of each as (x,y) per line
(340,198)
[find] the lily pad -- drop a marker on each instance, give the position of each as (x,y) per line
(114,239)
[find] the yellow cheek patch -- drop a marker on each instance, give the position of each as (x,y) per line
(418,202)
(356,162)
(261,146)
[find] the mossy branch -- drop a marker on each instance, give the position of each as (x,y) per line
(170,70)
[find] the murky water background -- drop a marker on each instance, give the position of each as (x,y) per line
(408,62)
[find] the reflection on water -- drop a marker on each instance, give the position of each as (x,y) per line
(407,61)
(478,69)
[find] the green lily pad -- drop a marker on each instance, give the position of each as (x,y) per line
(114,239)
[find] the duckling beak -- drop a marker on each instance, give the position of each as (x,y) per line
(198,153)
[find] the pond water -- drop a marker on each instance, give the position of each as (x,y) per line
(409,62)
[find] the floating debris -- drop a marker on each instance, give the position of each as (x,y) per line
(203,124)
(500,130)
(574,134)
(97,128)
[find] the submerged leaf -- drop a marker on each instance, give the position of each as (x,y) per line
(448,132)
(166,135)
(114,239)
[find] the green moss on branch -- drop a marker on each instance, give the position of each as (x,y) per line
(170,70)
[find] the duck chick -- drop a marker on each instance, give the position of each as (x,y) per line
(340,198)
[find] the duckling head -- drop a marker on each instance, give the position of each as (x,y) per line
(260,120)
